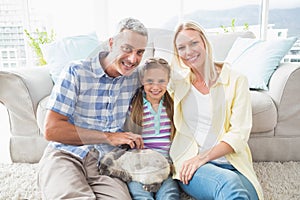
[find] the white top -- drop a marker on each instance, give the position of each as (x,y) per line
(196,109)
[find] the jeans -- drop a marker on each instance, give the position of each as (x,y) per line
(169,190)
(219,181)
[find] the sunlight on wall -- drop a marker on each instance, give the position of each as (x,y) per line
(67,17)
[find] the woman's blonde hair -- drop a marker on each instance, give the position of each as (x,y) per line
(210,73)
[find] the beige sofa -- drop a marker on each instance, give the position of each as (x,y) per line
(275,134)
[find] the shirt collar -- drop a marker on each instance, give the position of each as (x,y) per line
(224,74)
(95,64)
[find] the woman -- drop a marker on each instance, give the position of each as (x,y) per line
(213,118)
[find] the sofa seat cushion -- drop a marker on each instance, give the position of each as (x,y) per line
(264,112)
(41,113)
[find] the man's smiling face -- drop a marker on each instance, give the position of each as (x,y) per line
(128,48)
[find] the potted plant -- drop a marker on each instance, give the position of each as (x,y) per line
(37,38)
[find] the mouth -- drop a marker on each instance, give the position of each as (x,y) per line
(128,66)
(156,92)
(192,58)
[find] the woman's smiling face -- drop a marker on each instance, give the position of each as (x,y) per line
(190,48)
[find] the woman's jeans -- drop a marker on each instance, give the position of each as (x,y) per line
(219,181)
(169,190)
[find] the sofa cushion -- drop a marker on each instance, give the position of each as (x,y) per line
(222,43)
(258,59)
(263,111)
(60,52)
(41,113)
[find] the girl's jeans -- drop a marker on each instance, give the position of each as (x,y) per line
(169,190)
(219,181)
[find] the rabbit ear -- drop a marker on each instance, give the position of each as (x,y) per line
(125,146)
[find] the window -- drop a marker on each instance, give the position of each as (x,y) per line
(166,14)
(224,16)
(103,15)
(295,60)
(69,17)
(4,55)
(284,15)
(12,54)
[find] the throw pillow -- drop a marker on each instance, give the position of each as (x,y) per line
(60,52)
(258,59)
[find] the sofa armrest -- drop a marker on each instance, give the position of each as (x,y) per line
(284,88)
(21,89)
(280,81)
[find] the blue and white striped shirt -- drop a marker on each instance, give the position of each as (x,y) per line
(93,100)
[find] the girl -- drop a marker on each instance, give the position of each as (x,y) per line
(151,115)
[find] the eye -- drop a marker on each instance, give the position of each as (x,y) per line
(194,43)
(162,81)
(140,52)
(126,48)
(149,81)
(180,48)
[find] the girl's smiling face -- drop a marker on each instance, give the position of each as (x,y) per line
(155,83)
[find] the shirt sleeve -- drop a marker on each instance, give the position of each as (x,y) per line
(64,94)
(240,119)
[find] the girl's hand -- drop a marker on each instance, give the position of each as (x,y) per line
(190,166)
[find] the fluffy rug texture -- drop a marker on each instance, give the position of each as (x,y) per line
(280,181)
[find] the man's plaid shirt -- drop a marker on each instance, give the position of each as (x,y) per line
(92,100)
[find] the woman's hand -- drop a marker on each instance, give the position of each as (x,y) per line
(190,166)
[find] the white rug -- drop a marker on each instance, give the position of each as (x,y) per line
(280,181)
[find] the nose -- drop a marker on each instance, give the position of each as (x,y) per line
(133,58)
(188,50)
(155,85)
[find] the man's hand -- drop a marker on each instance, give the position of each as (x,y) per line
(59,129)
(119,138)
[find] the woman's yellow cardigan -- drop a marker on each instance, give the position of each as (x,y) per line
(231,116)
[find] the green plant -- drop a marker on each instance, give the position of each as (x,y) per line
(246,27)
(232,26)
(37,38)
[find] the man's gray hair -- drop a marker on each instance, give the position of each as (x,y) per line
(133,25)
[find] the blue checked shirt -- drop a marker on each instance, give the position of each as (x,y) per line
(92,100)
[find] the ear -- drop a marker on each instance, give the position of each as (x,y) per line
(110,43)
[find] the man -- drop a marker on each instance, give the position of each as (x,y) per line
(87,109)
